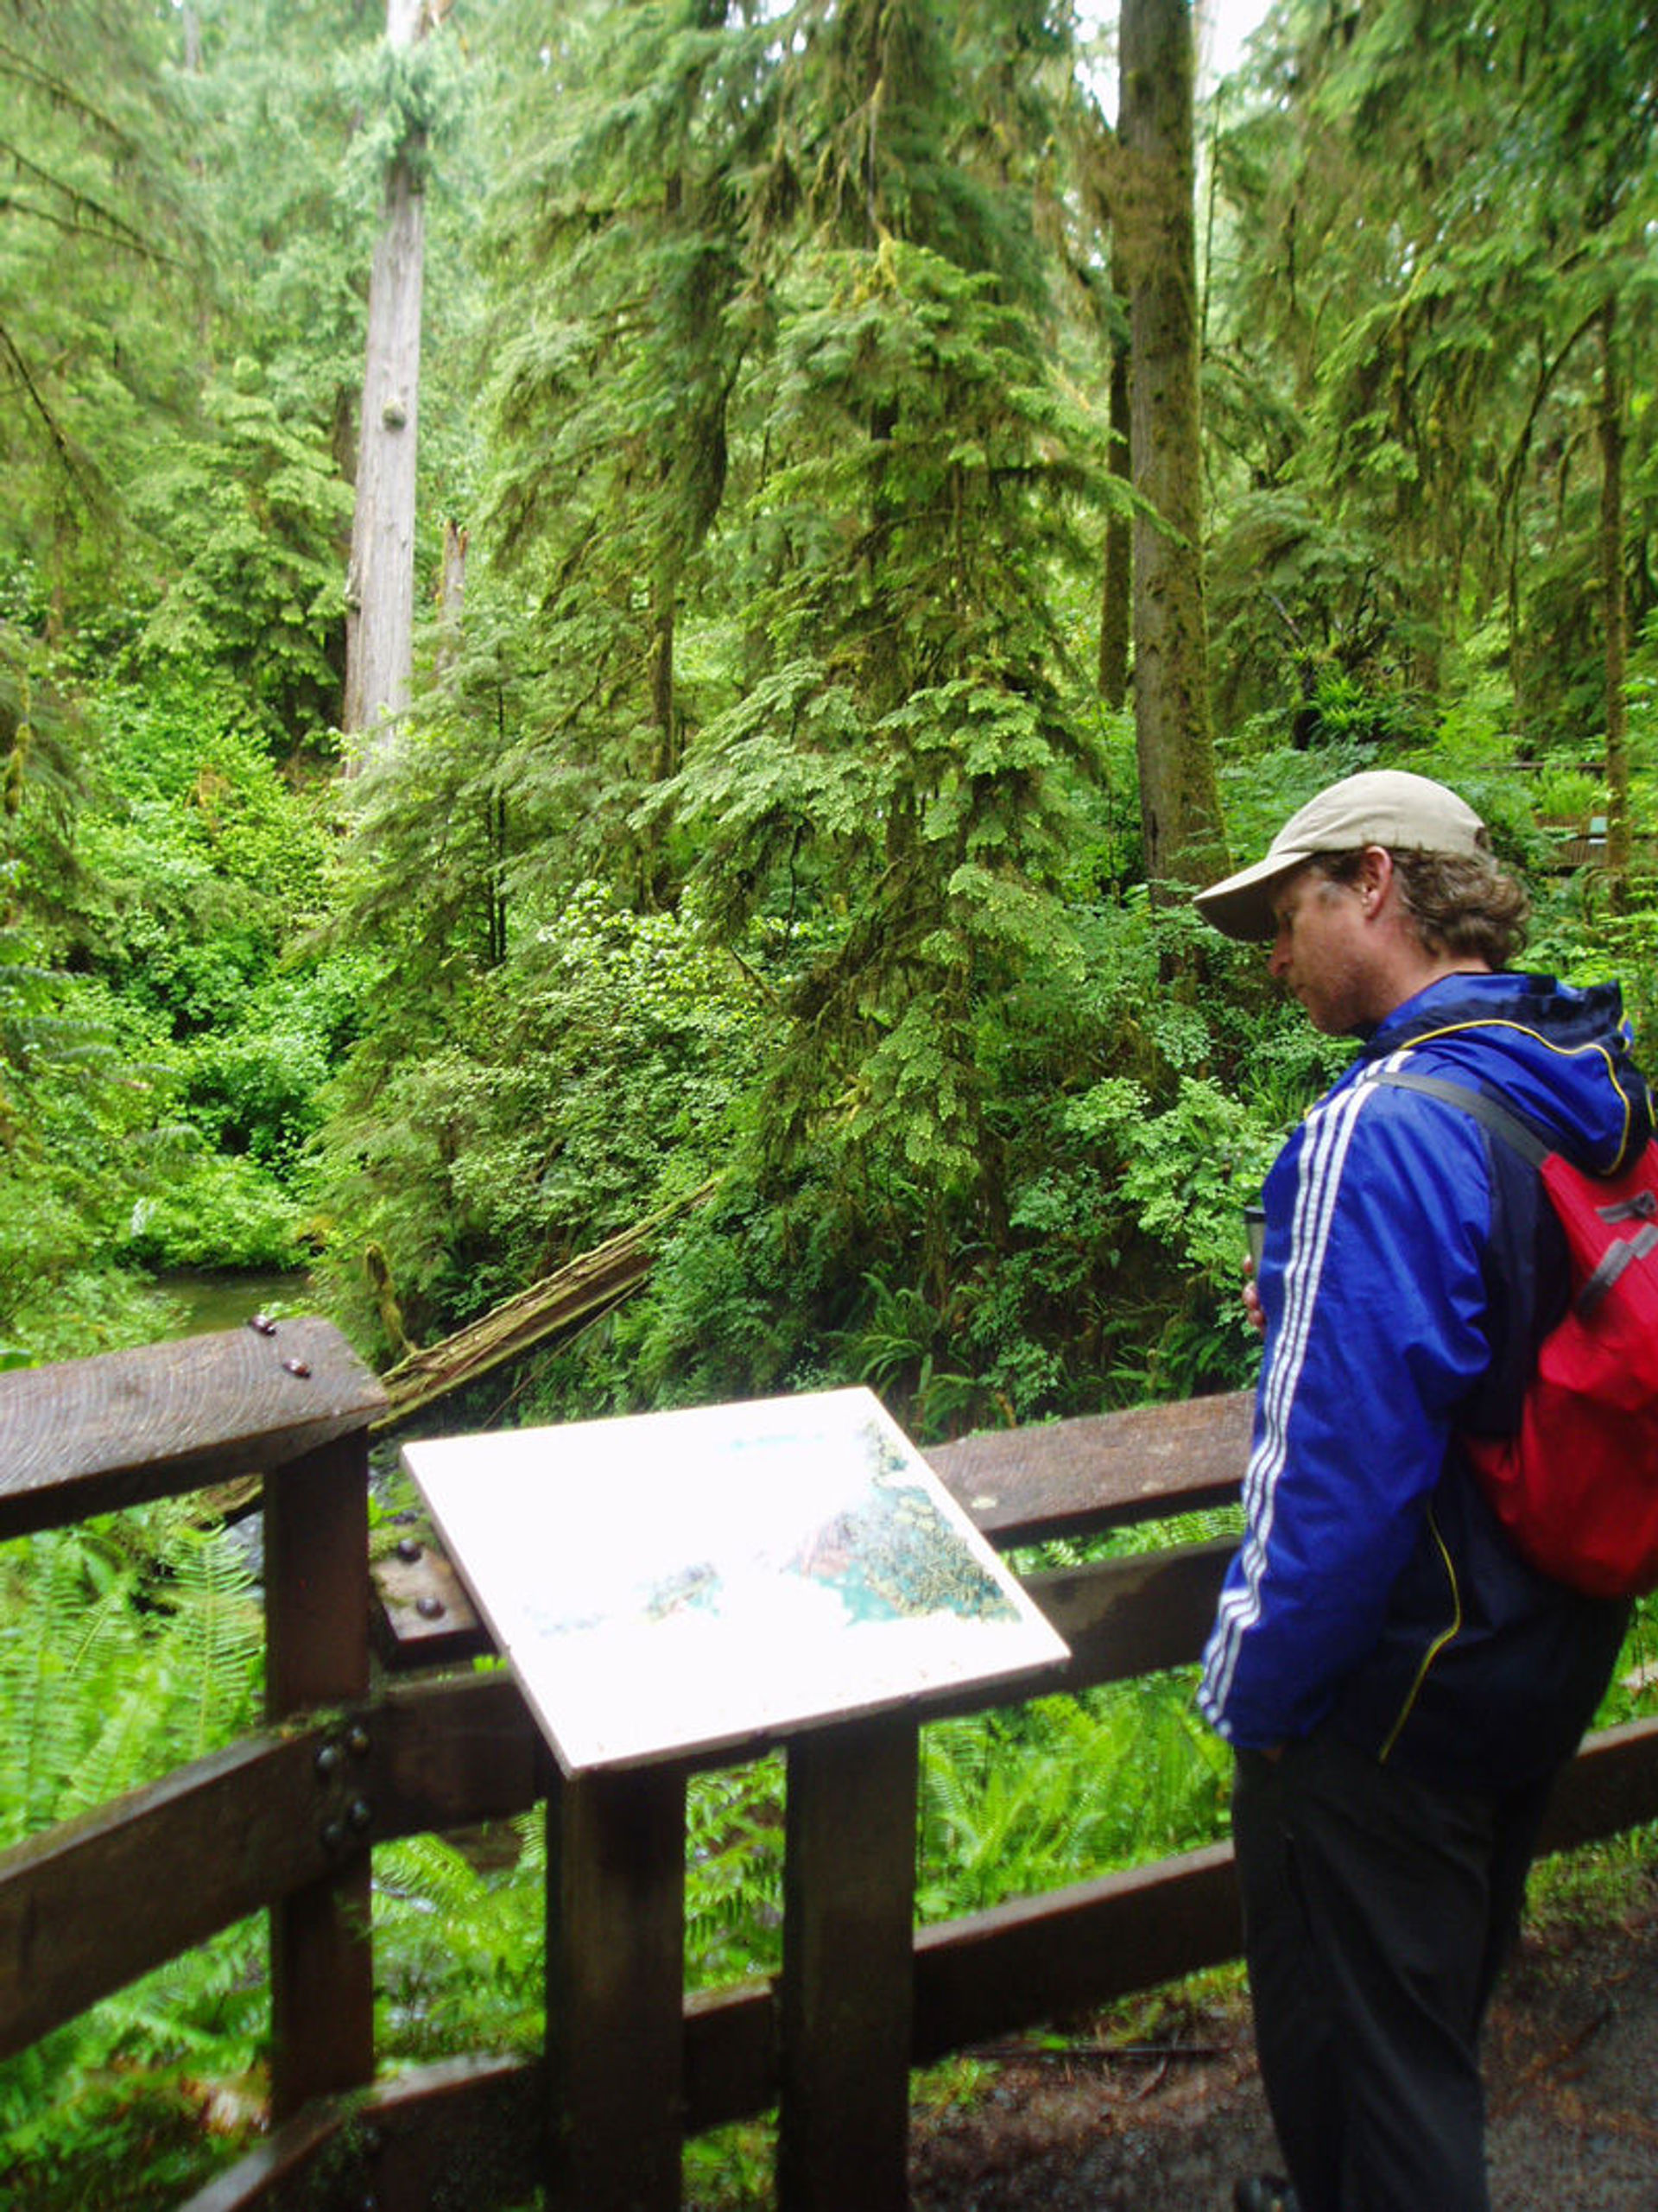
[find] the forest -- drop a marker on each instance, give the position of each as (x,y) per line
(646,610)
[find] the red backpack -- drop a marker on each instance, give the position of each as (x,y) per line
(1576,1487)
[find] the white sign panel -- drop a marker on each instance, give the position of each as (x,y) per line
(690,1581)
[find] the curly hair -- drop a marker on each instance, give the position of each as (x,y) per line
(1460,902)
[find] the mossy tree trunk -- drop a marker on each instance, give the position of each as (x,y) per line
(1179,803)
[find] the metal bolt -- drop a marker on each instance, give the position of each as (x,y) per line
(428,1608)
(409,1548)
(262,1323)
(358,1742)
(326,1761)
(297,1366)
(333,1834)
(358,1812)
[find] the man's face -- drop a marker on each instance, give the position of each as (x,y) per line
(1322,952)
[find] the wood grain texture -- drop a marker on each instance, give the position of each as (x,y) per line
(316,1654)
(615,1984)
(95,1435)
(1099,1471)
(87,1906)
(849,1880)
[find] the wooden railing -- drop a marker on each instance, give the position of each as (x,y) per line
(286,1820)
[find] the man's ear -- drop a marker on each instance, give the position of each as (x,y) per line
(1375,879)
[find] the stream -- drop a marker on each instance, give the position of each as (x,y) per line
(211,1299)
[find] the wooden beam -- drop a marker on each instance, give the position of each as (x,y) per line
(422,1615)
(1135,1616)
(1613,1784)
(1038,1958)
(249,1822)
(615,1984)
(82,1912)
(316,1653)
(448,1753)
(849,1885)
(100,1434)
(1099,1471)
(87,1906)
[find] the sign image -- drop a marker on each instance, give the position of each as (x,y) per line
(708,1579)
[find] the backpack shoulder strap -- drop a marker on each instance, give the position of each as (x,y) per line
(1518,1135)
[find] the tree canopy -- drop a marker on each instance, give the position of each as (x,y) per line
(782,791)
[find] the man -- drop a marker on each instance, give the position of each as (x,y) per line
(1399,1686)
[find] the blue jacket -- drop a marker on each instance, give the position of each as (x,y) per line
(1413,1264)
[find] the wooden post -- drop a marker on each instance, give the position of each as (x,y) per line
(614,1990)
(316,1653)
(848,1990)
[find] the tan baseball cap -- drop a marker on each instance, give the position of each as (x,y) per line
(1383,806)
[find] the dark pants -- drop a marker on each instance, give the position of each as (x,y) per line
(1377,1912)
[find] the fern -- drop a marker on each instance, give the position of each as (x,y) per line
(1014,1803)
(460,1945)
(121,2090)
(734,1873)
(219,1637)
(132,1645)
(129,1644)
(65,1671)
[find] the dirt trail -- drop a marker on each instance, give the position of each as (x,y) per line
(1166,2124)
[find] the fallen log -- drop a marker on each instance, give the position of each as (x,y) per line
(578,1292)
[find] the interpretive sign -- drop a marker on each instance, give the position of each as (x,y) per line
(692,1581)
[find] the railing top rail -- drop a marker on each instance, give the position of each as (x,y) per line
(92,1435)
(1099,1471)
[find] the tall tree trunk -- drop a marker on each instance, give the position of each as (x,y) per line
(1117,591)
(1614,618)
(1180,802)
(380,587)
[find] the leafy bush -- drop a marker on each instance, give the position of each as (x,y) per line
(575,1089)
(74,1117)
(256,1086)
(160,1084)
(215,1212)
(203,862)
